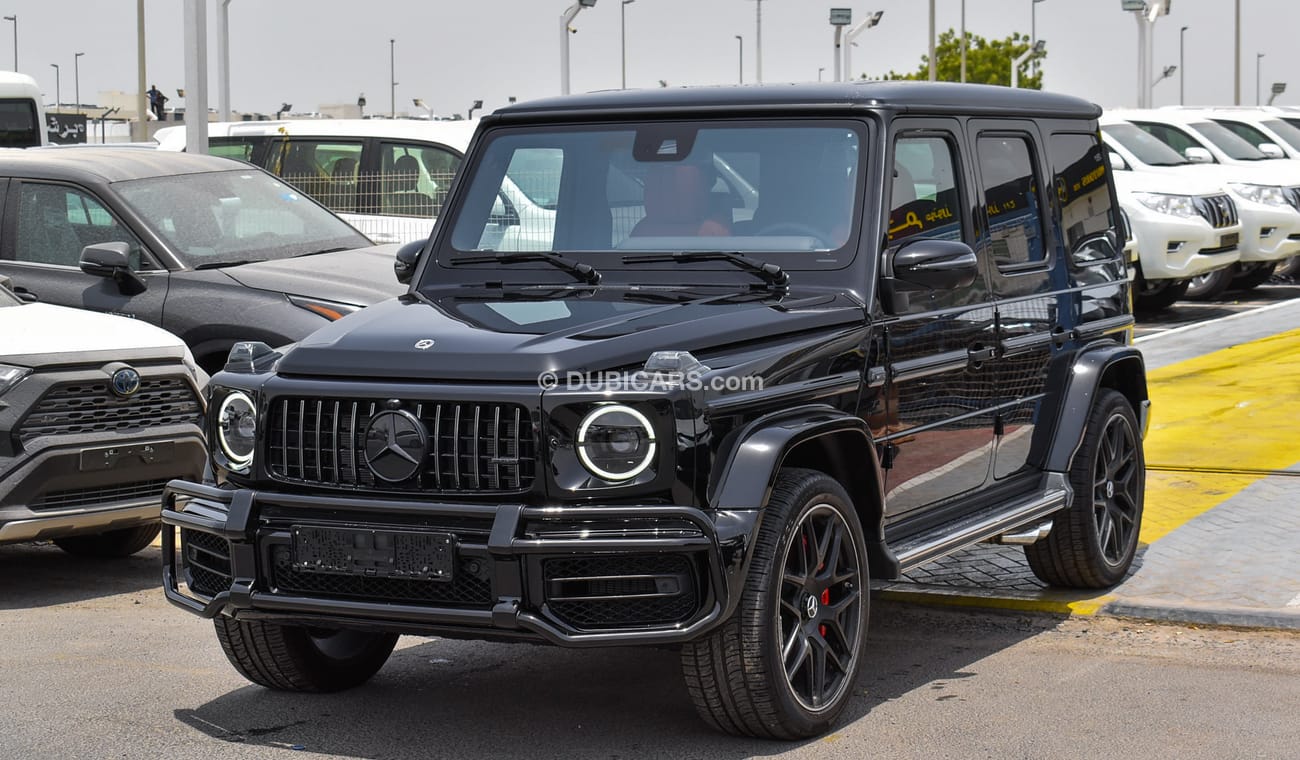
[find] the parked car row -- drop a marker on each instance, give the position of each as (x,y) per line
(1213,194)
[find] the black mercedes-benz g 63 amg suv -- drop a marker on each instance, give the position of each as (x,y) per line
(746,349)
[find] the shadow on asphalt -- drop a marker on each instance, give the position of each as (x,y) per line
(1232,302)
(471,699)
(41,575)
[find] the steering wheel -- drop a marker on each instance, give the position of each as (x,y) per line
(795,228)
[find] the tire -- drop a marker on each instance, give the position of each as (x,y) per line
(290,658)
(814,620)
(1288,269)
(1249,276)
(1092,544)
(1207,287)
(110,544)
(1154,295)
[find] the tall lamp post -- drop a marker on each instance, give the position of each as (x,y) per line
(740,42)
(1033,27)
(392,80)
(934,71)
(58,97)
(623,36)
(566,18)
(758,41)
(1258,57)
(14,18)
(1033,52)
(840,18)
(1182,72)
(1168,72)
(871,20)
(76,78)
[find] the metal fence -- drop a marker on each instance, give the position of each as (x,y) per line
(387,207)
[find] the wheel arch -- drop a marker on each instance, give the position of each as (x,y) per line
(1117,367)
(818,438)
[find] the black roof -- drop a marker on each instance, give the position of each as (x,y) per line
(898,95)
(107,164)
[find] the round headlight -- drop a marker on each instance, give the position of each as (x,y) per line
(616,442)
(237,429)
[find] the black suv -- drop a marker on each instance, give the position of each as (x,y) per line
(782,340)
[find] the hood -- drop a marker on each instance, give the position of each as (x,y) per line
(1261,173)
(508,338)
(360,276)
(1127,182)
(36,334)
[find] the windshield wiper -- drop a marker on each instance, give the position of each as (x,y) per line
(585,272)
(223,264)
(323,250)
(771,273)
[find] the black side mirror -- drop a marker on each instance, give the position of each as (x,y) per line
(927,264)
(112,260)
(407,257)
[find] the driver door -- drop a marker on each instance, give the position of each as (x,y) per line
(46,226)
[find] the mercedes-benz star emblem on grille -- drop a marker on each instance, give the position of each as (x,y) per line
(424,345)
(396,444)
(125,382)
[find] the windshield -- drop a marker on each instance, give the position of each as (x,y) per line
(1233,146)
(1286,131)
(213,218)
(1147,148)
(771,188)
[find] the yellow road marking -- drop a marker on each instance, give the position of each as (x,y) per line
(1234,408)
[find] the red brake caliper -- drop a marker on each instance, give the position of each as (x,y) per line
(826,599)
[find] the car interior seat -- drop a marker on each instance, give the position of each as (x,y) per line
(405,197)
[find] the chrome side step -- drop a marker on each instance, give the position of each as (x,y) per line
(982,526)
(1024,535)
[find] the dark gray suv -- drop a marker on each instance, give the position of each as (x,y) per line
(211,249)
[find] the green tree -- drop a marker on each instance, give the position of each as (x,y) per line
(987,61)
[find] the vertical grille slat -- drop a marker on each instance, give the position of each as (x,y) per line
(1218,210)
(480,448)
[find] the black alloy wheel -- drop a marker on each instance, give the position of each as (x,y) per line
(820,609)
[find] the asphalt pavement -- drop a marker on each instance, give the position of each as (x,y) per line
(1220,542)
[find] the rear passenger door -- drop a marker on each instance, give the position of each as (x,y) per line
(940,391)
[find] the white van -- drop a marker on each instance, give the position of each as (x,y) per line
(386,177)
(22,117)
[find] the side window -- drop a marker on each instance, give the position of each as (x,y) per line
(522,217)
(1246,132)
(327,171)
(416,178)
(1079,176)
(924,201)
(1010,183)
(240,149)
(55,222)
(1174,138)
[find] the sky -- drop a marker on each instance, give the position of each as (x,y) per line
(311,53)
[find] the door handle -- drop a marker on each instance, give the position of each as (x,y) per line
(26,295)
(977,354)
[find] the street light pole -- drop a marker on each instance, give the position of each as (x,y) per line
(740,42)
(758,41)
(1236,57)
(623,21)
(58,97)
(141,109)
(566,18)
(14,18)
(1258,57)
(392,80)
(223,60)
(76,78)
(963,41)
(934,74)
(1182,72)
(1033,28)
(871,20)
(1033,52)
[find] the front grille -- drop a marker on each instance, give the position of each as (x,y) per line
(1218,210)
(85,497)
(205,560)
(469,587)
(623,576)
(472,447)
(90,407)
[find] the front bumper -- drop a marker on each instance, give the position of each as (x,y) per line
(231,552)
(93,483)
(1268,233)
(1176,248)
